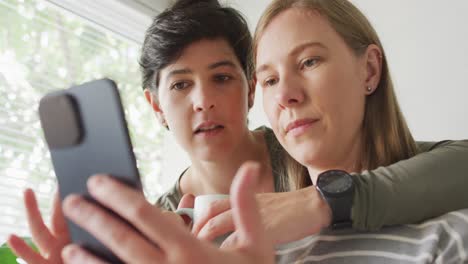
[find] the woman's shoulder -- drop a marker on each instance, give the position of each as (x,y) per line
(171,198)
(168,200)
(425,146)
(269,136)
(276,153)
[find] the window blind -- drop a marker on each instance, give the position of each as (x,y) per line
(44,47)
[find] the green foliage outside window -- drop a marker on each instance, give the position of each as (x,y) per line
(43,48)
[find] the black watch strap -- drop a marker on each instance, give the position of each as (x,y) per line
(339,199)
(341,210)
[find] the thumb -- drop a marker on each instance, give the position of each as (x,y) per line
(246,215)
(187,201)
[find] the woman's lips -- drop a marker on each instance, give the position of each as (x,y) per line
(210,132)
(299,127)
(208,128)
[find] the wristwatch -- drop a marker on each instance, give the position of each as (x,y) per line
(337,189)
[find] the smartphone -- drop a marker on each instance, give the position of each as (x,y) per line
(86,132)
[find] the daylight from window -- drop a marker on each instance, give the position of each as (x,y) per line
(44,48)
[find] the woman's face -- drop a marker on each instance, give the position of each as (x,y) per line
(203,96)
(314,88)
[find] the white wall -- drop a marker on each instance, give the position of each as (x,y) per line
(426,42)
(427,47)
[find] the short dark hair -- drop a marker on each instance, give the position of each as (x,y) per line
(188,21)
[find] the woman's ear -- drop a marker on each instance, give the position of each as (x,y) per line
(373,60)
(251,93)
(153,101)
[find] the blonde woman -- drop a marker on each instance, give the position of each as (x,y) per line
(335,109)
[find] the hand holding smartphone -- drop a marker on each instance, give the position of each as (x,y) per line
(86,132)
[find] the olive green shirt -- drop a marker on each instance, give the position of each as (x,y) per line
(427,185)
(170,200)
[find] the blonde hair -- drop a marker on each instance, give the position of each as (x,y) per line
(386,137)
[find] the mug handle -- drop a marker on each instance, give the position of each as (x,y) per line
(185,211)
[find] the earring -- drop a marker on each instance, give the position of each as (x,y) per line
(164,123)
(369,89)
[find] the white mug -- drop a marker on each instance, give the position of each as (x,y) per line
(201,205)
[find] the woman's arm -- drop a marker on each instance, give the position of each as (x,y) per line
(424,186)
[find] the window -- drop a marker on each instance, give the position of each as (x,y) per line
(42,48)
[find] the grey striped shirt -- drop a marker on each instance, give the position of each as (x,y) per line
(439,240)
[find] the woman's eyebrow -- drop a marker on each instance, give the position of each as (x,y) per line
(222,63)
(215,65)
(299,48)
(179,71)
(305,45)
(261,68)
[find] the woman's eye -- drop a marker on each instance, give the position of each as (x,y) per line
(310,62)
(269,82)
(179,86)
(222,78)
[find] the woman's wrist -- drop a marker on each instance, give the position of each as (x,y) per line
(317,209)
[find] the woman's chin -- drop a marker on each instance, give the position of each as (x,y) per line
(312,155)
(211,154)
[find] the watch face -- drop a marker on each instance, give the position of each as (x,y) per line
(335,181)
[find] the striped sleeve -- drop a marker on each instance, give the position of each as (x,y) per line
(440,240)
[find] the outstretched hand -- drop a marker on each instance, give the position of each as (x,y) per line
(162,237)
(50,242)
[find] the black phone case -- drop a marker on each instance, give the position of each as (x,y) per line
(86,132)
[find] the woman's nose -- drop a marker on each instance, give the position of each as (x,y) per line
(289,93)
(204,100)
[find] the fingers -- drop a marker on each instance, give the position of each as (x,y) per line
(174,218)
(40,233)
(232,241)
(246,214)
(58,224)
(217,226)
(250,235)
(72,254)
(132,205)
(118,236)
(215,208)
(24,251)
(187,201)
